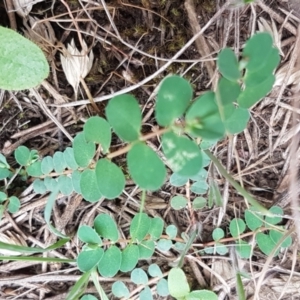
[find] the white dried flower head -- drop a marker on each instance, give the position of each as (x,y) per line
(76,64)
(265,26)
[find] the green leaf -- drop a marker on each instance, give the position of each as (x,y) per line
(201,175)
(156,228)
(146,294)
(276,236)
(22,153)
(98,130)
(201,295)
(76,176)
(39,186)
(110,263)
(173,98)
(276,210)
(3,162)
(50,184)
(70,159)
(183,155)
(177,283)
(218,234)
(255,78)
(119,289)
(228,65)
(199,187)
(87,260)
(162,288)
(83,151)
(35,169)
(88,235)
(164,245)
(243,249)
(155,271)
(221,249)
(47,165)
(178,202)
(110,179)
(65,185)
(171,231)
(265,243)
(3,197)
(59,162)
(238,120)
(178,180)
(124,115)
(88,297)
(89,185)
(130,257)
(139,226)
(4,173)
(23,64)
(203,118)
(106,227)
(145,167)
(146,249)
(179,246)
(139,276)
(227,92)
(14,204)
(253,219)
(251,95)
(199,203)
(237,226)
(257,50)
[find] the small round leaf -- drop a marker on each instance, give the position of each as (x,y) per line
(237,227)
(171,231)
(110,179)
(110,263)
(47,165)
(70,159)
(145,167)
(98,130)
(183,155)
(124,115)
(88,235)
(156,228)
(162,288)
(139,226)
(23,63)
(146,249)
(228,64)
(59,162)
(83,151)
(177,283)
(14,204)
(22,153)
(178,202)
(173,97)
(88,259)
(119,289)
(139,276)
(155,271)
(218,234)
(89,186)
(106,227)
(130,257)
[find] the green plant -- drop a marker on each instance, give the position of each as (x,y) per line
(90,168)
(23,64)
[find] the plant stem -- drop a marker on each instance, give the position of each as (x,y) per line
(142,138)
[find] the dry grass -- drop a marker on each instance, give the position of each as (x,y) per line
(135,45)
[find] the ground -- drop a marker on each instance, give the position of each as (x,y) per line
(130,41)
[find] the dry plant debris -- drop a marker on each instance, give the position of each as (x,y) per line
(135,44)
